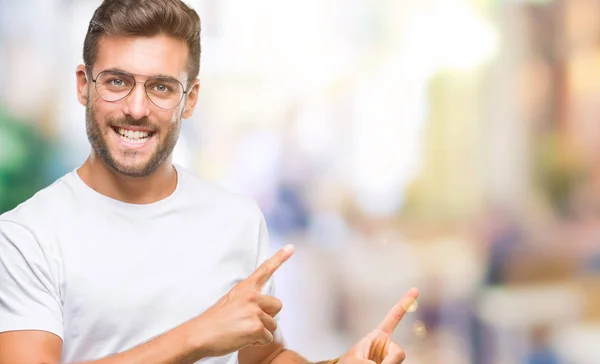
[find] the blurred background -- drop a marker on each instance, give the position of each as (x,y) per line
(451,145)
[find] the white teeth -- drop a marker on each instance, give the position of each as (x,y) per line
(133,137)
(133,141)
(133,134)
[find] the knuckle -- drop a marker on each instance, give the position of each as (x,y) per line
(239,283)
(396,317)
(255,311)
(249,309)
(261,270)
(251,296)
(256,328)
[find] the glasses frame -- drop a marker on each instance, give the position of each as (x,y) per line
(185,91)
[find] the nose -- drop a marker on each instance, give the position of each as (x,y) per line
(137,103)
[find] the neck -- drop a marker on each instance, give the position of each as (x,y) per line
(136,190)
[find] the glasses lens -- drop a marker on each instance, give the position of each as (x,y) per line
(165,93)
(113,86)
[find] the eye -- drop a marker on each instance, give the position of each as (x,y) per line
(116,82)
(162,88)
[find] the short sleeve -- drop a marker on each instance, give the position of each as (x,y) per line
(29,297)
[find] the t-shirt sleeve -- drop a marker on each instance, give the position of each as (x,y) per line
(29,295)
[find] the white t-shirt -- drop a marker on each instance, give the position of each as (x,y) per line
(106,276)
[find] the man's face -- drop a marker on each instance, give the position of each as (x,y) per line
(133,136)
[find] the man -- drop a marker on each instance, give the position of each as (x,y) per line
(130,259)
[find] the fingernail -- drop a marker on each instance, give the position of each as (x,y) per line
(288,248)
(410,305)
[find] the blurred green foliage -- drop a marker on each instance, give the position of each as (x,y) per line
(24,157)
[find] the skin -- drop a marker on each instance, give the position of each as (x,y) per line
(242,320)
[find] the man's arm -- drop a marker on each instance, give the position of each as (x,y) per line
(174,347)
(17,347)
(274,353)
(292,357)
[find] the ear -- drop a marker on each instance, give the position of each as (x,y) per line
(82,84)
(191,100)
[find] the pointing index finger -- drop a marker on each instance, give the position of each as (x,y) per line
(266,270)
(396,313)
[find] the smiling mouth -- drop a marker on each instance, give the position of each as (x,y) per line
(133,137)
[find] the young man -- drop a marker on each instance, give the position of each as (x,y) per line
(130,259)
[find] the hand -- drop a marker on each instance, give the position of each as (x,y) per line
(244,316)
(378,347)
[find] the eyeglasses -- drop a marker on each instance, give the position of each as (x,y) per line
(164,92)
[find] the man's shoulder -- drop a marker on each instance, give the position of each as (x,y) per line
(42,207)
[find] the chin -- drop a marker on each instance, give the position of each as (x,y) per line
(136,169)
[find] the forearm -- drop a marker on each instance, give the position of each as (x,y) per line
(177,346)
(292,357)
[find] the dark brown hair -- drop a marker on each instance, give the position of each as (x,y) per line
(145,18)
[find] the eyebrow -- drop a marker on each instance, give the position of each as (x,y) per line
(157,75)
